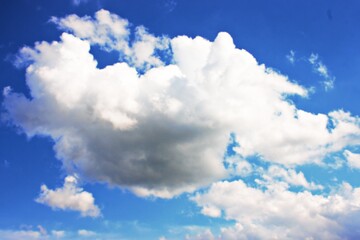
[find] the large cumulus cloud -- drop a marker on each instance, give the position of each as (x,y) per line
(164,131)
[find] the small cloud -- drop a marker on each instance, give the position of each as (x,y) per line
(69,197)
(291,56)
(86,233)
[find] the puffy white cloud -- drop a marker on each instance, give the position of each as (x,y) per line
(69,197)
(320,68)
(277,213)
(353,159)
(165,131)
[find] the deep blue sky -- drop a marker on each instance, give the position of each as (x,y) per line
(269,30)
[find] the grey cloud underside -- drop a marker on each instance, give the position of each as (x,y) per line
(156,155)
(160,153)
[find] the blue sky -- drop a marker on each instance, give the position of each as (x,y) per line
(179,119)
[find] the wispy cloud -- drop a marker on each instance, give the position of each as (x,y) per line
(86,233)
(30,233)
(170,5)
(291,57)
(78,2)
(320,68)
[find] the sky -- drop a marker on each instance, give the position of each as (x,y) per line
(177,119)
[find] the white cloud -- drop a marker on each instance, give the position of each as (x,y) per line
(69,197)
(86,233)
(322,70)
(353,159)
(277,213)
(165,131)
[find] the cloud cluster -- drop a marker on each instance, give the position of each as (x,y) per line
(69,197)
(164,131)
(277,213)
